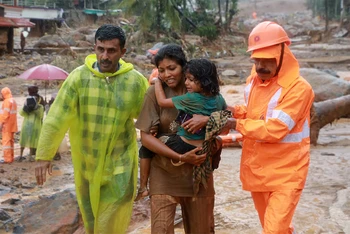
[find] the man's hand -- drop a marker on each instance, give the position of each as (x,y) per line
(192,158)
(195,123)
(40,171)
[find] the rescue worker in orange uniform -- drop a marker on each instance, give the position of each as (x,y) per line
(154,74)
(275,124)
(8,124)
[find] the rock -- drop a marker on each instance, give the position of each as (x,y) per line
(50,41)
(325,85)
(58,213)
(11,201)
(84,44)
(4,215)
(229,72)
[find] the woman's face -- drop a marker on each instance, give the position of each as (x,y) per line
(170,72)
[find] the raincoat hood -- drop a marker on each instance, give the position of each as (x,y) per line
(123,67)
(6,93)
(290,67)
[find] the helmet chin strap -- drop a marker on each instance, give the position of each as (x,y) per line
(281,59)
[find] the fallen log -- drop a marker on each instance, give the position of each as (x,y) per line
(326,112)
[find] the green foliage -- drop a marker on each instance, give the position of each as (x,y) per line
(208,31)
(205,23)
(318,8)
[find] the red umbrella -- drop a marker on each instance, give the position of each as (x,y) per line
(44,72)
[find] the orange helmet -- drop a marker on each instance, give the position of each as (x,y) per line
(266,34)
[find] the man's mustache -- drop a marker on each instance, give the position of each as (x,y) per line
(105,61)
(263,71)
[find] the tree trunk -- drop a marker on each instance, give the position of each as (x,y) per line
(323,113)
(342,13)
(227,15)
(219,7)
(326,14)
(159,19)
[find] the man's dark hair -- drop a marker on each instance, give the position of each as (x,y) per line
(173,52)
(109,32)
(205,72)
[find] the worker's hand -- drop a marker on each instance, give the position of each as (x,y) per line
(195,123)
(40,171)
(231,124)
(192,158)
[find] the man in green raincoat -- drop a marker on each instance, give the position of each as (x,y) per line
(98,103)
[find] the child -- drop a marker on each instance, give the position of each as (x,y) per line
(202,98)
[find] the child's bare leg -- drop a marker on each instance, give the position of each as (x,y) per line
(145,166)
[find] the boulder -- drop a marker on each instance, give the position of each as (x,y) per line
(58,213)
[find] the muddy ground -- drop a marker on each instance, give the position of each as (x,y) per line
(324,206)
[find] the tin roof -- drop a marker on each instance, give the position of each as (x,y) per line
(15,22)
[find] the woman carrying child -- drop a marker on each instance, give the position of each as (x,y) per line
(170,184)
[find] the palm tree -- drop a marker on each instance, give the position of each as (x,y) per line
(153,14)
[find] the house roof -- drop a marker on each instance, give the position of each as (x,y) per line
(15,22)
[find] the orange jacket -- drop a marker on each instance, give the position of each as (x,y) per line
(8,113)
(275,124)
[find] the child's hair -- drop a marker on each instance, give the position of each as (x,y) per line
(204,71)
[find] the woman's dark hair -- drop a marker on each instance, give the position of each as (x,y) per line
(205,72)
(110,32)
(173,52)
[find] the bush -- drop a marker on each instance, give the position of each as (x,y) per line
(208,31)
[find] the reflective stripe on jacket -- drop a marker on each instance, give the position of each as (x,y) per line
(8,113)
(275,124)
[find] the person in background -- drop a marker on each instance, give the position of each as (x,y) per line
(33,113)
(172,185)
(154,73)
(33,90)
(8,124)
(275,124)
(98,103)
(23,36)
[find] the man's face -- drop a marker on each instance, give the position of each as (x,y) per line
(265,67)
(108,53)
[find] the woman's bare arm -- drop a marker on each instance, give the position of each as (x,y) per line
(158,147)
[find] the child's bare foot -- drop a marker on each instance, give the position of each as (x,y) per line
(141,193)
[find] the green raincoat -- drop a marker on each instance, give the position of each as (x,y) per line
(99,110)
(31,127)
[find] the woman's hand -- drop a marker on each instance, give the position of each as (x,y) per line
(231,124)
(192,158)
(154,130)
(195,123)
